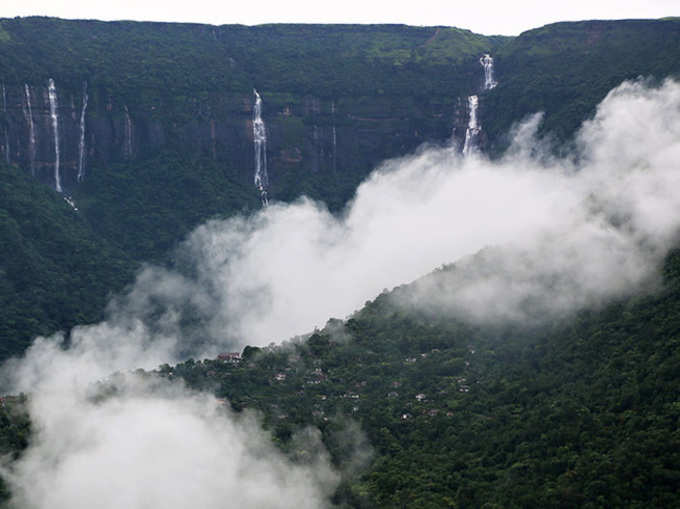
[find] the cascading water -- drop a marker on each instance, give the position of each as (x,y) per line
(128,134)
(472,131)
(335,137)
(260,145)
(81,143)
(4,110)
(487,63)
(52,95)
(28,113)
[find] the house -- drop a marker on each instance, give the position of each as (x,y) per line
(231,357)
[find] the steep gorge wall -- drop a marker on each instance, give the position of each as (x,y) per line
(305,133)
(337,99)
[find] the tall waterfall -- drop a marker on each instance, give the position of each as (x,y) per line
(472,131)
(473,128)
(260,145)
(487,63)
(81,143)
(128,133)
(4,110)
(52,95)
(335,138)
(28,113)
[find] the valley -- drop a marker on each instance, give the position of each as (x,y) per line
(346,266)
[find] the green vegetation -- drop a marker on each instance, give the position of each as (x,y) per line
(583,412)
(55,271)
(393,83)
(170,60)
(566,69)
(183,195)
(15,430)
(4,36)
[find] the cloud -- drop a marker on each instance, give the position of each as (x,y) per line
(614,215)
(567,232)
(531,235)
(153,446)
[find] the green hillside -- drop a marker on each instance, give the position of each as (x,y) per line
(566,69)
(171,60)
(583,412)
(579,412)
(55,270)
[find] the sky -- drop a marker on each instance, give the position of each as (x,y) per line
(490,17)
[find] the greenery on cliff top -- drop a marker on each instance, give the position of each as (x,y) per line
(173,59)
(566,69)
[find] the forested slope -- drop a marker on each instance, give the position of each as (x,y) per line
(565,69)
(579,412)
(55,270)
(168,123)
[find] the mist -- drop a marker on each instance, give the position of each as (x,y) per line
(137,440)
(529,235)
(567,232)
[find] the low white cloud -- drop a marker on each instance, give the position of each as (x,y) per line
(154,445)
(567,232)
(530,234)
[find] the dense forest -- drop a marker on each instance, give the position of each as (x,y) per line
(417,409)
(579,412)
(338,100)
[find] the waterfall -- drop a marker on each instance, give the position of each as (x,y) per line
(4,110)
(335,147)
(52,95)
(473,128)
(81,143)
(71,203)
(260,145)
(335,137)
(28,113)
(487,62)
(128,133)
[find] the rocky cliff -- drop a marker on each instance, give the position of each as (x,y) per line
(336,99)
(306,133)
(166,139)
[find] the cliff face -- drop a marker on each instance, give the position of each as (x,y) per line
(305,133)
(336,99)
(167,135)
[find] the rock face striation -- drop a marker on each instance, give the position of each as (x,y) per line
(338,99)
(306,133)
